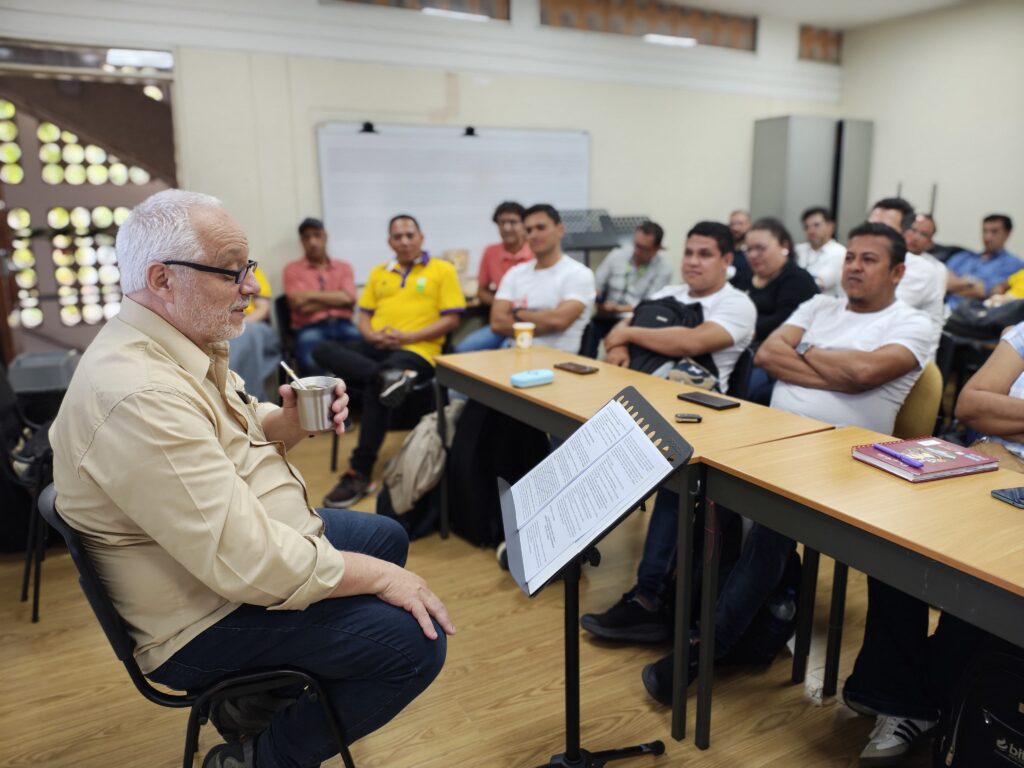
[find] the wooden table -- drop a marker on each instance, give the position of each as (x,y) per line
(560,407)
(947,542)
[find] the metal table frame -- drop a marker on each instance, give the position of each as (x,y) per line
(689,484)
(968,597)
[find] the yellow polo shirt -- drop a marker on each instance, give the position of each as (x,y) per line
(412,299)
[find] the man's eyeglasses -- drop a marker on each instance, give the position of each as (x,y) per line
(238,275)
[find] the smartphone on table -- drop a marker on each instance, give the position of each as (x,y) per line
(576,368)
(1013,496)
(708,400)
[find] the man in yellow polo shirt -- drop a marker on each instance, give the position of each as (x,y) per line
(406,309)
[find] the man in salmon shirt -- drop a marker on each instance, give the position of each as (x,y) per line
(322,294)
(497,259)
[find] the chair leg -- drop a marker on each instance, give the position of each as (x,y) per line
(30,550)
(334,452)
(41,531)
(191,737)
(835,629)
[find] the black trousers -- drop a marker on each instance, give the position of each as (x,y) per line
(360,365)
(900,670)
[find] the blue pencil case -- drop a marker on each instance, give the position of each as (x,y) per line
(532,378)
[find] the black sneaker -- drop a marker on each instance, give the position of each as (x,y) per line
(657,677)
(350,488)
(238,755)
(395,387)
(250,714)
(629,621)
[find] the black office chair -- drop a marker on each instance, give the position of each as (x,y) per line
(198,702)
(739,381)
(27,461)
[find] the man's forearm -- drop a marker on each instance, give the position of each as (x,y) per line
(844,370)
(277,428)
(673,342)
(547,321)
(991,413)
(782,362)
(486,296)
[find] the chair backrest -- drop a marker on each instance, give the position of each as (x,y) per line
(11,422)
(916,418)
(739,380)
(283,317)
(101,604)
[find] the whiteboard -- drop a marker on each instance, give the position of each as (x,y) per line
(449,181)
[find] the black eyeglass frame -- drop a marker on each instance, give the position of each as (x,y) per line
(238,275)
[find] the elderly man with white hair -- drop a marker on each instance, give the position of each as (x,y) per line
(180,485)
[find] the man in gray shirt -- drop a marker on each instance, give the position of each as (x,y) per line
(624,279)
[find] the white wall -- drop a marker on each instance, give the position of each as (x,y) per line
(671,129)
(246,127)
(945,92)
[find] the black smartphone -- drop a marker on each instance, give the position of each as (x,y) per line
(576,368)
(689,418)
(709,401)
(1013,496)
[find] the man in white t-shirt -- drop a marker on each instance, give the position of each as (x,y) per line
(924,278)
(554,292)
(729,314)
(854,362)
(729,317)
(821,255)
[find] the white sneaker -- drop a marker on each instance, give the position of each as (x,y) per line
(892,738)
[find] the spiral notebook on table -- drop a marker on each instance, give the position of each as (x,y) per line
(587,485)
(924,458)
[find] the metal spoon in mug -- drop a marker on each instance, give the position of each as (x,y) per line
(297,384)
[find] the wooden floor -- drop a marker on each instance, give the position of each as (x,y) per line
(67,703)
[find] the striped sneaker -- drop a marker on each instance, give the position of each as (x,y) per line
(892,738)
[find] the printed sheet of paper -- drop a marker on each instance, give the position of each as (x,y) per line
(601,471)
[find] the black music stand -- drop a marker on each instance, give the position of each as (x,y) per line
(677,453)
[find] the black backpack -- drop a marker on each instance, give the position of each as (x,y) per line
(984,725)
(487,445)
(665,313)
(973,320)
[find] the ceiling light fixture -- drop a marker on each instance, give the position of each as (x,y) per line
(458,15)
(678,42)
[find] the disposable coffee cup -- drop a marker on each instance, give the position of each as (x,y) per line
(314,402)
(524,334)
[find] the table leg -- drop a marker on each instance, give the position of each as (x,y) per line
(835,629)
(805,613)
(708,598)
(688,502)
(440,400)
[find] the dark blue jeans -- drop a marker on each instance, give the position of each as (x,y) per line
(372,658)
(750,583)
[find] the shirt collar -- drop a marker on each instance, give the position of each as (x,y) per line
(394,266)
(177,345)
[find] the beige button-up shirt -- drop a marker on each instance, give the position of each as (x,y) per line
(160,461)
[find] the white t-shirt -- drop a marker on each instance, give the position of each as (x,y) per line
(529,287)
(828,324)
(924,287)
(824,264)
(728,307)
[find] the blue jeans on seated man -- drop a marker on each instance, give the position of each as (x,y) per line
(371,657)
(307,338)
(752,580)
(481,339)
(902,672)
(761,386)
